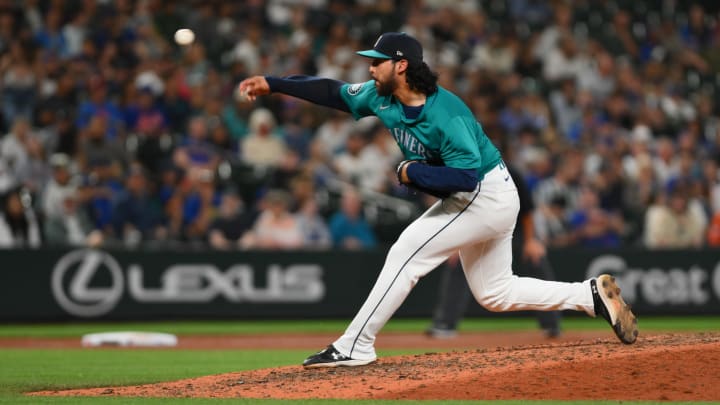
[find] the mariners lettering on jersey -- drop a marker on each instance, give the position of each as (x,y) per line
(409,143)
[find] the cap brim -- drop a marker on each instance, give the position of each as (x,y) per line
(373,54)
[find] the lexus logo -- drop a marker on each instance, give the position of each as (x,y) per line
(71,283)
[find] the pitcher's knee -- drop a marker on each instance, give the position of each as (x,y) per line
(494,302)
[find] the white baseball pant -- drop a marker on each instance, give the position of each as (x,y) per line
(478,224)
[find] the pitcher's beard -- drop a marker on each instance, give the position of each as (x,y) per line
(386,88)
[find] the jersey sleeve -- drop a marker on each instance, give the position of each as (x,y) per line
(459,147)
(360,98)
(318,90)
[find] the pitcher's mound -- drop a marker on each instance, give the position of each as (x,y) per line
(675,367)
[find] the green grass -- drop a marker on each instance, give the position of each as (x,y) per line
(687,323)
(23,370)
(31,370)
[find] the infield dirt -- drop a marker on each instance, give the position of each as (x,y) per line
(674,367)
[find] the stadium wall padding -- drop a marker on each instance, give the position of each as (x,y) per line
(88,284)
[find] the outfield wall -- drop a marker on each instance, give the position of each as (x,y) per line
(107,285)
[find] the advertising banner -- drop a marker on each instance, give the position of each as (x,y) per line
(657,282)
(89,284)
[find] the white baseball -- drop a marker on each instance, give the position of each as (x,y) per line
(184,36)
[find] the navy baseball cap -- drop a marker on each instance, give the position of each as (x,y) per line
(396,46)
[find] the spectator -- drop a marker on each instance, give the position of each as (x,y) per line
(275,227)
(496,55)
(599,80)
(318,165)
(14,155)
(593,226)
(97,146)
(333,133)
(696,34)
(564,62)
(564,182)
(235,116)
(19,226)
(167,180)
(618,37)
(101,186)
(46,129)
(567,110)
(198,70)
(673,224)
(137,215)
(665,160)
(535,13)
(248,47)
(100,106)
(222,141)
(144,117)
(534,160)
(60,186)
(316,234)
(516,117)
(616,111)
(261,147)
(196,153)
(609,185)
(551,224)
(550,36)
(639,151)
(230,223)
(74,33)
(192,206)
(19,82)
(348,227)
(354,166)
(384,152)
(176,101)
(37,172)
(50,37)
(57,115)
(640,192)
(295,130)
(72,227)
(709,122)
(302,188)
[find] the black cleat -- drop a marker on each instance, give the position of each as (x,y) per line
(610,305)
(330,357)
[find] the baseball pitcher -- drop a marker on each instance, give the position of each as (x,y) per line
(449,156)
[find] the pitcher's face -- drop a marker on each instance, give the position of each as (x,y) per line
(385,76)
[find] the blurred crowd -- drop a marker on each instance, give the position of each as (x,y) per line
(114,135)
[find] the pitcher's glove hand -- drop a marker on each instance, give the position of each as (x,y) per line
(400,166)
(415,187)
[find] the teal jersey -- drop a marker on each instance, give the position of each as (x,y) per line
(445,131)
